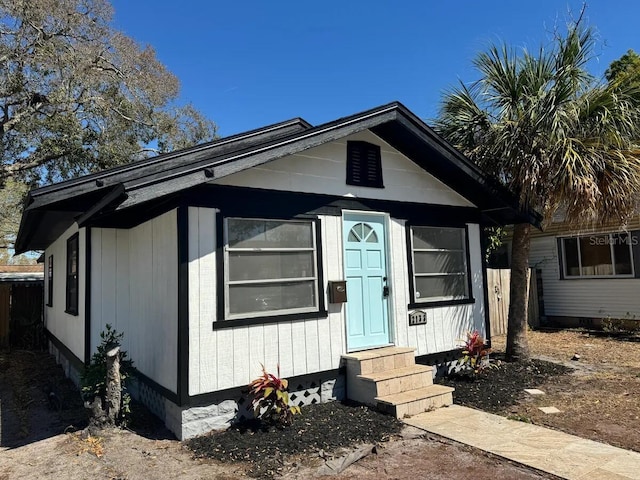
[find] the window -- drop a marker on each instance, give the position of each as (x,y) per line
(439,263)
(72,275)
(270,267)
(50,281)
(364,165)
(598,255)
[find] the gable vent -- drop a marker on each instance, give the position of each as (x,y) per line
(364,165)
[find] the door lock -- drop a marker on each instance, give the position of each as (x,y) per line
(385,291)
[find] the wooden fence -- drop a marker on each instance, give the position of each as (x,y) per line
(21,315)
(498,284)
(5,314)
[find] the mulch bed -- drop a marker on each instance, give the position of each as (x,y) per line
(501,386)
(320,428)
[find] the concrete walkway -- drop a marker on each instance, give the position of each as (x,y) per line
(550,451)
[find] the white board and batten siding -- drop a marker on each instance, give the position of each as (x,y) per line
(322,170)
(134,288)
(67,328)
(231,357)
(590,298)
(446,326)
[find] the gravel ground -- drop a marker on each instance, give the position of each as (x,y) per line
(599,399)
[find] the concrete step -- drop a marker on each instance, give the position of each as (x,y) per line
(379,359)
(398,380)
(412,402)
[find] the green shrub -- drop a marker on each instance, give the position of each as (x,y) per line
(93,380)
(628,325)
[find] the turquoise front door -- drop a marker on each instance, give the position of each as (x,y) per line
(365,266)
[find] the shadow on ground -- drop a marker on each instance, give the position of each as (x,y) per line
(37,402)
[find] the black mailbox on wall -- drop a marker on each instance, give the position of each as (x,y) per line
(337,291)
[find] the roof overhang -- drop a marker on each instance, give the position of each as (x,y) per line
(54,208)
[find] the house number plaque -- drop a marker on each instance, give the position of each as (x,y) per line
(419,317)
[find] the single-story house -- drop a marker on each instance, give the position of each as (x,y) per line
(21,305)
(588,274)
(289,245)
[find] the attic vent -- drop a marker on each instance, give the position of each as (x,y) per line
(364,165)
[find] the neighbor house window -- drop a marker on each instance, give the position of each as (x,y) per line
(50,281)
(598,255)
(364,165)
(72,275)
(270,267)
(439,264)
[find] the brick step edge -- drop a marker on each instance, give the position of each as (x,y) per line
(409,396)
(396,373)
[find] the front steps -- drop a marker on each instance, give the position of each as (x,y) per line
(389,379)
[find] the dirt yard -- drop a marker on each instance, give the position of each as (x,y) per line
(600,399)
(597,395)
(33,443)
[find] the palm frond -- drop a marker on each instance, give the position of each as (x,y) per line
(543,126)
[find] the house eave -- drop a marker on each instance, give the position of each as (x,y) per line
(139,183)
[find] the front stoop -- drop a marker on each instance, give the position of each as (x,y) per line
(389,380)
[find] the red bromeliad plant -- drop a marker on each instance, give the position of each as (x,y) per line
(475,355)
(271,399)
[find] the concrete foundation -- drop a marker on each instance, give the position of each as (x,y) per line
(221,408)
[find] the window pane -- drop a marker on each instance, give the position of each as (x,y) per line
(266,265)
(595,254)
(72,251)
(72,293)
(439,262)
(430,237)
(622,253)
(249,233)
(445,286)
(571,256)
(271,297)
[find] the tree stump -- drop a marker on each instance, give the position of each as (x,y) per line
(105,412)
(114,389)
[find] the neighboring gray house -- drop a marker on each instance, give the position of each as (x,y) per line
(588,274)
(217,258)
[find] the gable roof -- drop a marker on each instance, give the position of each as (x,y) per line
(50,210)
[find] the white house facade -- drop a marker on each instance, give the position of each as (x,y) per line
(291,245)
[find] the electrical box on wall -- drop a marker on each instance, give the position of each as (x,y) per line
(337,291)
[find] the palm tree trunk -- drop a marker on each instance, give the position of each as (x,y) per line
(517,345)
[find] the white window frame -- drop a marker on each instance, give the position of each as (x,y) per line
(269,313)
(464,274)
(613,262)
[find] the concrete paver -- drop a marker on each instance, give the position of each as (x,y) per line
(534,391)
(557,453)
(549,410)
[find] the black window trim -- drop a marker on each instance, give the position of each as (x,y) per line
(413,304)
(50,273)
(221,321)
(364,147)
(634,237)
(70,309)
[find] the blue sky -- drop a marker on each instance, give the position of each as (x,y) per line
(246,64)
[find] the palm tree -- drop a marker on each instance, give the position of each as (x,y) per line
(553,134)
